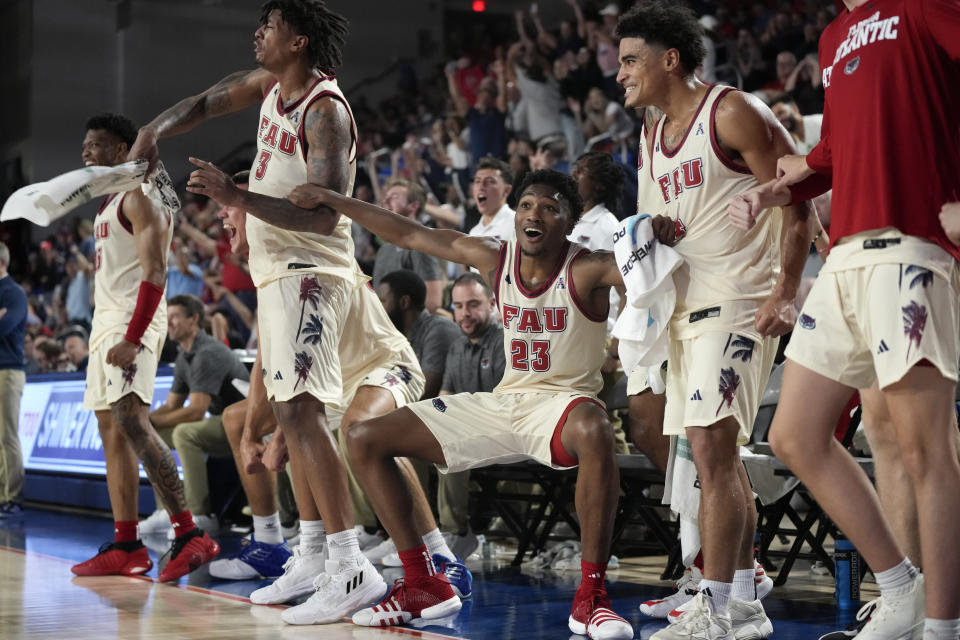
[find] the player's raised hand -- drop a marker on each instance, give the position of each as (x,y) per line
(950,221)
(309,196)
(792,169)
(744,209)
(210,181)
(145,146)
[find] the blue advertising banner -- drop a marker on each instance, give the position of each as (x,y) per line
(58,434)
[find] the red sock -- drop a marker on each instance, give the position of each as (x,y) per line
(416,562)
(698,561)
(592,575)
(182,523)
(125,531)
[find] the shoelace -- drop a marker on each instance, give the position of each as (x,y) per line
(453,571)
(179,543)
(696,618)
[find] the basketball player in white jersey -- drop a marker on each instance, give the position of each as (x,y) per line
(553,296)
(735,291)
(301,261)
(133,231)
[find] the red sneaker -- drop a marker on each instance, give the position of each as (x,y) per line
(592,616)
(188,552)
(116,559)
(428,598)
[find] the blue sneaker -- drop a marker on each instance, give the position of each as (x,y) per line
(253,560)
(457,573)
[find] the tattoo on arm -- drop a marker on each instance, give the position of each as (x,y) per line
(131,416)
(189,112)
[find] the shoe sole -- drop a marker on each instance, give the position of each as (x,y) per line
(751,632)
(367,595)
(445,608)
(576,627)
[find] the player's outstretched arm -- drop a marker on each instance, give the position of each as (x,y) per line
(236,91)
(482,253)
(328,134)
(747,128)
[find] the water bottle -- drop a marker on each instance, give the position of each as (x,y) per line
(846,564)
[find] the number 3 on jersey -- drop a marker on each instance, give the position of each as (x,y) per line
(262,162)
(536,356)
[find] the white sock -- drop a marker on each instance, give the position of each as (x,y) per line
(437,545)
(717,594)
(312,537)
(343,545)
(744,585)
(941,629)
(896,580)
(266,529)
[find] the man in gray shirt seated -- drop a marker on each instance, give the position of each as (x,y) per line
(475,362)
(204,371)
(402,294)
(407,199)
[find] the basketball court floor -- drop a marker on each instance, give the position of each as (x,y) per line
(40,598)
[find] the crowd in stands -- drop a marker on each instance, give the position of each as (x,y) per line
(447,147)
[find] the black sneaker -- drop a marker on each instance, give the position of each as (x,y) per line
(863,617)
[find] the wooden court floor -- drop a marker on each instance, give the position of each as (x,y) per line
(40,598)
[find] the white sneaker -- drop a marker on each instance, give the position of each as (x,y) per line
(686,590)
(462,546)
(368,540)
(700,623)
(897,618)
(347,586)
(376,554)
(210,524)
(299,573)
(763,582)
(156,522)
(749,620)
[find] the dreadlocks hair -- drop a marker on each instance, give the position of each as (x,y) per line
(120,126)
(607,177)
(326,31)
(668,24)
(564,184)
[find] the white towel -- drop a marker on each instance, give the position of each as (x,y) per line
(45,202)
(647,268)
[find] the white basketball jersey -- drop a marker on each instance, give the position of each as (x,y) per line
(552,343)
(726,271)
(117,264)
(280,166)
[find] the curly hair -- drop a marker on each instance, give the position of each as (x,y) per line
(668,24)
(326,30)
(120,126)
(607,177)
(564,184)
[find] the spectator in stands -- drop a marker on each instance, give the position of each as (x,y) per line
(13,323)
(600,183)
(786,63)
(475,363)
(75,346)
(76,297)
(492,183)
(408,199)
(402,294)
(601,116)
(540,100)
(204,372)
(48,354)
(805,85)
(805,130)
(31,366)
(486,119)
(748,59)
(49,269)
(86,240)
(184,275)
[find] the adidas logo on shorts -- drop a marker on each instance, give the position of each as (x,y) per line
(696,395)
(278,376)
(883,348)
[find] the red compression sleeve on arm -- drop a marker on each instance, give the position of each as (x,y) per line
(147,302)
(808,189)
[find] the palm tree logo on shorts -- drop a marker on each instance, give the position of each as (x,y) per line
(310,290)
(914,322)
(313,331)
(301,366)
(729,383)
(743,347)
(920,276)
(129,372)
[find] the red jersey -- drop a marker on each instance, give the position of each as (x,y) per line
(891,122)
(233,277)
